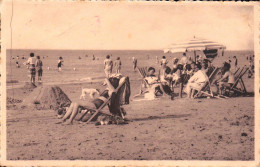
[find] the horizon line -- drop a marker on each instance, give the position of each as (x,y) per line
(118,49)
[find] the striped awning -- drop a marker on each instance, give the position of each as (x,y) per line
(194,45)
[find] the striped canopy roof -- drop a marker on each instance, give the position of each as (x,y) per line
(194,45)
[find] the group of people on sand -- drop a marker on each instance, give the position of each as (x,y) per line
(194,74)
(34,65)
(117,64)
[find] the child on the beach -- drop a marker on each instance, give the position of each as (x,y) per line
(60,63)
(33,73)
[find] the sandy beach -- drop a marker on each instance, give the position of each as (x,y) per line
(161,129)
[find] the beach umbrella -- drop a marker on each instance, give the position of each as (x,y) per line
(209,48)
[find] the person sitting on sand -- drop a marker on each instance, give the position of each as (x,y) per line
(82,112)
(227,80)
(197,81)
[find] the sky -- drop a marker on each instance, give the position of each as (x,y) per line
(124,25)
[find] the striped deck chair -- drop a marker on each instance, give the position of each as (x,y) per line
(143,71)
(106,102)
(234,89)
(206,89)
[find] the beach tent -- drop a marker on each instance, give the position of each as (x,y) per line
(208,47)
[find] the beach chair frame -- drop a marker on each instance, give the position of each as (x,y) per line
(238,80)
(143,73)
(96,111)
(206,88)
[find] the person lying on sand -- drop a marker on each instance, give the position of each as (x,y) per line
(85,111)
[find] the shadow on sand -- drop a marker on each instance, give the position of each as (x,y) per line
(160,117)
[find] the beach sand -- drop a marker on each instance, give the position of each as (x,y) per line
(182,129)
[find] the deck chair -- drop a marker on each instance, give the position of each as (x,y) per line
(143,71)
(206,88)
(238,80)
(96,111)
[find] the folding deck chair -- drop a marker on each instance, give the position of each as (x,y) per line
(206,88)
(121,83)
(238,79)
(143,73)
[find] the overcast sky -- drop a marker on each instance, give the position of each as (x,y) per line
(64,25)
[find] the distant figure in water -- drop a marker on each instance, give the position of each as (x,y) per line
(108,66)
(134,63)
(17,64)
(60,63)
(117,65)
(93,57)
(86,55)
(79,57)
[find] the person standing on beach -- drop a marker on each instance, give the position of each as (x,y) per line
(93,57)
(108,66)
(134,63)
(60,61)
(31,65)
(118,65)
(184,60)
(39,68)
(234,64)
(163,62)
